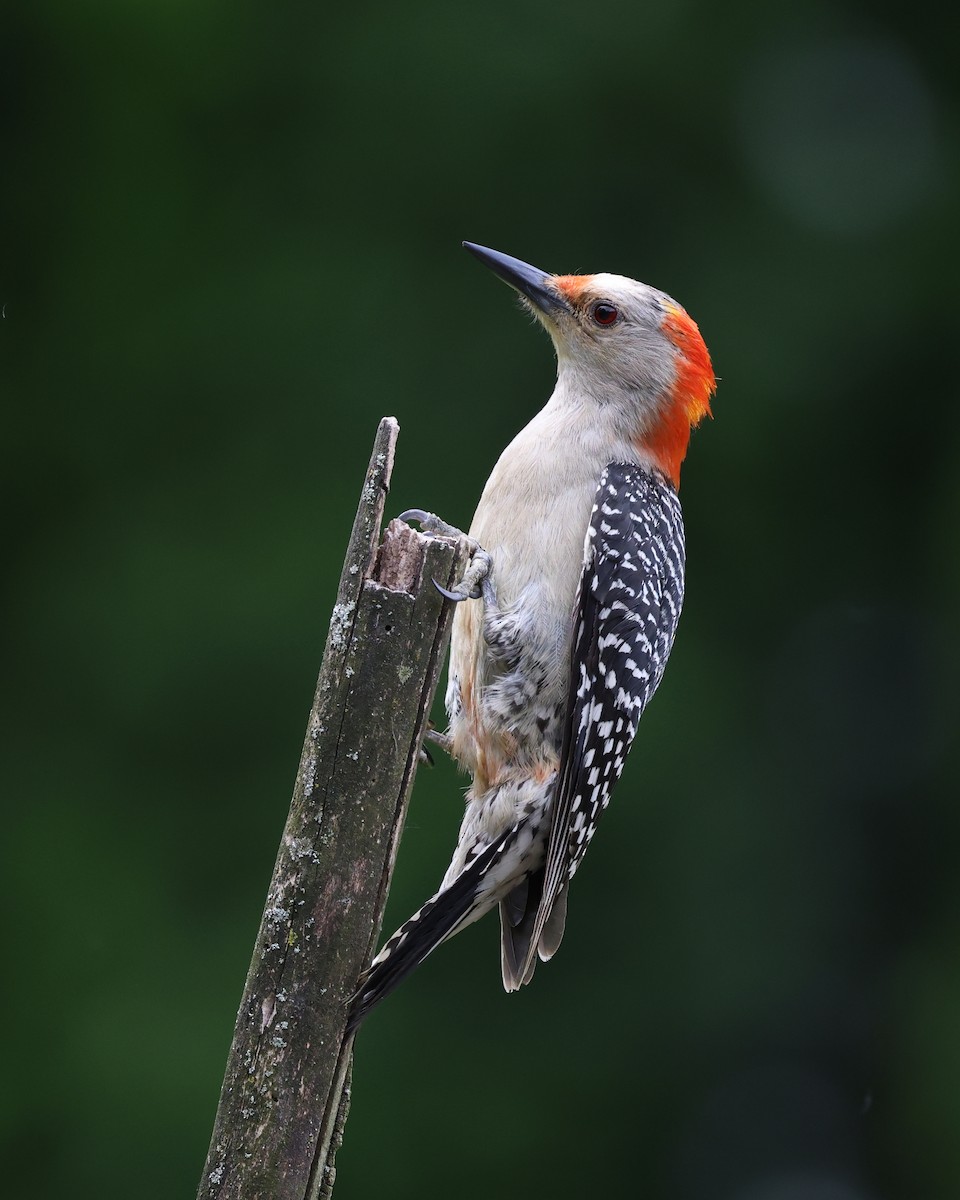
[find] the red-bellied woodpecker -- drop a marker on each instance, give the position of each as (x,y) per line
(578,566)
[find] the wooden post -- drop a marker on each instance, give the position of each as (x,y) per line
(286,1092)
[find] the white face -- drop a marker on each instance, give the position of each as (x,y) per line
(621,346)
(609,335)
(618,341)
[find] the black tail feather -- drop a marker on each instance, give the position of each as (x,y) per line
(440,917)
(518,912)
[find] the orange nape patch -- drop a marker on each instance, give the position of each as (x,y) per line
(572,286)
(689,399)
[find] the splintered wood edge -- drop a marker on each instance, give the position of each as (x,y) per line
(365,535)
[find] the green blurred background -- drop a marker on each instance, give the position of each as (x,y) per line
(231,243)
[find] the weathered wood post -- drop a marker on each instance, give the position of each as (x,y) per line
(286,1088)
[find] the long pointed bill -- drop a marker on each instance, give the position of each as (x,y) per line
(529,281)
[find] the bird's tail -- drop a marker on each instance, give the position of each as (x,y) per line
(464,900)
(518,917)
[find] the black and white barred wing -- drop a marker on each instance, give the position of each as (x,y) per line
(627,609)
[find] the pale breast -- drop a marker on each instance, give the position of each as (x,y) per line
(508,669)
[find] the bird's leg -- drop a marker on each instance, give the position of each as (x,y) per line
(443,740)
(476,579)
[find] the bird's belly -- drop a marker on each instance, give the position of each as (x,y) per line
(509,664)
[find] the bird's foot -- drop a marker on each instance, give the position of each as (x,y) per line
(430,523)
(476,579)
(443,740)
(475,582)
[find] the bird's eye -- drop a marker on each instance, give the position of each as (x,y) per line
(604,313)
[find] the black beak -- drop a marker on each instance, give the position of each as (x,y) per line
(529,281)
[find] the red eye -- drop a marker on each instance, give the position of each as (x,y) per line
(604,314)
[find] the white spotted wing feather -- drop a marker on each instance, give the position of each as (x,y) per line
(626,614)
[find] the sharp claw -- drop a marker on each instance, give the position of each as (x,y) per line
(456,597)
(431,524)
(475,582)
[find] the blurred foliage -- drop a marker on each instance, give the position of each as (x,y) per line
(231,245)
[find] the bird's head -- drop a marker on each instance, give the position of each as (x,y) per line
(622,345)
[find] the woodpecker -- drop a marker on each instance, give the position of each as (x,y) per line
(567,614)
